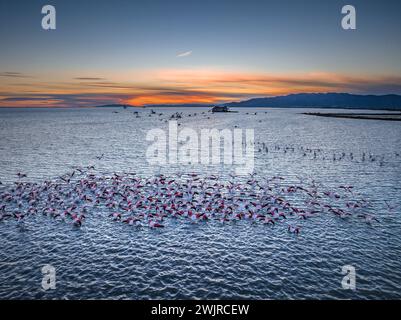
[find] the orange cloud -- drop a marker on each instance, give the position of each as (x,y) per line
(160,99)
(179,86)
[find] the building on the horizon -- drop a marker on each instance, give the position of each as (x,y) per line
(220,109)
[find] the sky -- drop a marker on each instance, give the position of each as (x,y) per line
(174,52)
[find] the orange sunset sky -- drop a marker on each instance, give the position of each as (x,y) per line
(193,52)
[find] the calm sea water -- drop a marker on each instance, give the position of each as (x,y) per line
(105,259)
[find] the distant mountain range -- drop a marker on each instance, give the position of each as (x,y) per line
(305,100)
(325,100)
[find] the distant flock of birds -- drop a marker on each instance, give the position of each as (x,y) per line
(179,115)
(262,148)
(314,154)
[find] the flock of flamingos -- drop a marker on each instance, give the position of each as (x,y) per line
(187,198)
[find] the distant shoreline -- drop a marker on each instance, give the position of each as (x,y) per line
(128,107)
(363,116)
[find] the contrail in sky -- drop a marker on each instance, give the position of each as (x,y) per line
(184,54)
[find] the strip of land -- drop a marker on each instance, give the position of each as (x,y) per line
(366,116)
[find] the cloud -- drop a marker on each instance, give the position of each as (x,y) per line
(63,100)
(13,99)
(184,54)
(89,79)
(13,75)
(196,85)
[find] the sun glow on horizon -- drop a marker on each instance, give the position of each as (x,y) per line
(177,86)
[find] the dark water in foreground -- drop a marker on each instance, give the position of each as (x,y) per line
(105,259)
